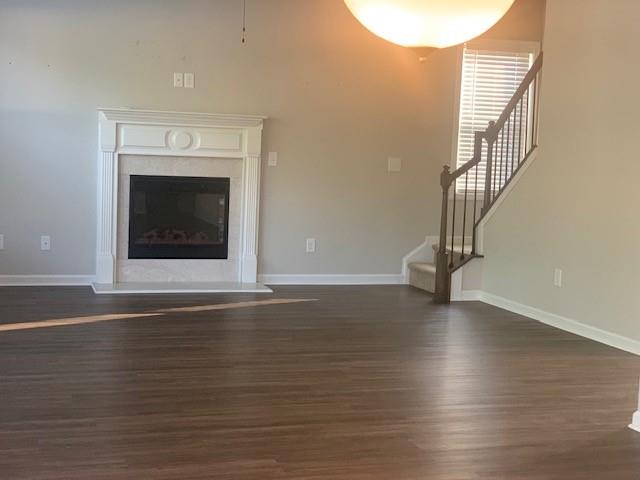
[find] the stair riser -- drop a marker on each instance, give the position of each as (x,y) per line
(423,280)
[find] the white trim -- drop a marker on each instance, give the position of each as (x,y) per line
(338,279)
(453,162)
(496,45)
(45,280)
(563,323)
(470,296)
(635,423)
(455,285)
(162,117)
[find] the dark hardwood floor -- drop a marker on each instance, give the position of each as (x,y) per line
(366,383)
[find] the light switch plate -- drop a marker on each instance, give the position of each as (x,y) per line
(178,80)
(311,245)
(45,243)
(273,159)
(1,242)
(557,278)
(189,80)
(394,164)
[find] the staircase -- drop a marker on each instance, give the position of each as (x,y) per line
(422,274)
(500,151)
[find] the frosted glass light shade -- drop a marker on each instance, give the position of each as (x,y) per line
(428,23)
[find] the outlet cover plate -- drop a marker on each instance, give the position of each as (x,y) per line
(311,245)
(395,164)
(178,80)
(45,243)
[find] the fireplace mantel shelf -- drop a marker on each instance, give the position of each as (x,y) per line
(161,117)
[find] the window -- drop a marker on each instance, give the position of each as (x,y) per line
(488,81)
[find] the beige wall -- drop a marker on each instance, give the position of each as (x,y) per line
(339,101)
(576,208)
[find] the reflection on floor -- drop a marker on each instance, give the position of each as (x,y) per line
(228,306)
(61,322)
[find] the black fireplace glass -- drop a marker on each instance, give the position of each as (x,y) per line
(178,217)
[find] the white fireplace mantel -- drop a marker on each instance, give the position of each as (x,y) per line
(125,131)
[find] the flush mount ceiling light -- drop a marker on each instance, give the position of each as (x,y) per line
(428,23)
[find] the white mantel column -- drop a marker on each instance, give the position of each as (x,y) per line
(251,195)
(107,191)
(635,423)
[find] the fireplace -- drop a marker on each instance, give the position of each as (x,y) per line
(177,144)
(178,217)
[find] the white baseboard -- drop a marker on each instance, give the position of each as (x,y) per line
(470,296)
(563,323)
(635,424)
(45,280)
(339,279)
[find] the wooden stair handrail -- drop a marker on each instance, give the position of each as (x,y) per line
(530,77)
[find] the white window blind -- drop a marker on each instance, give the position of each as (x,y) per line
(489,80)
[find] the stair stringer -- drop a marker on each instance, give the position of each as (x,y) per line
(466,281)
(501,198)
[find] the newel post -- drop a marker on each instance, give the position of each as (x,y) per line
(442,291)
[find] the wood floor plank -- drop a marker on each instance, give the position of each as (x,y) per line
(373,383)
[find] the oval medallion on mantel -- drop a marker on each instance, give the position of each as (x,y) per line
(180,140)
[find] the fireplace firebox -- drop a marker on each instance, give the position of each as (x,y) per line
(178,217)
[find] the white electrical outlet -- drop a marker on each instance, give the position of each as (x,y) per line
(1,242)
(394,164)
(189,80)
(311,245)
(178,80)
(45,243)
(273,159)
(557,278)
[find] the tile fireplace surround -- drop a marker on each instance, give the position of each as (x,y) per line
(178,144)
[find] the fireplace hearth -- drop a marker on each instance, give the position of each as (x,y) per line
(178,217)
